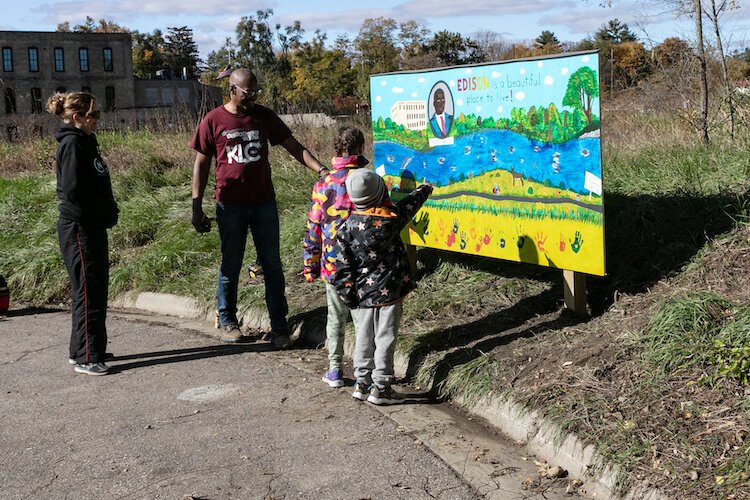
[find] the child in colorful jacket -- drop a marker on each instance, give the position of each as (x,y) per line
(329,209)
(373,276)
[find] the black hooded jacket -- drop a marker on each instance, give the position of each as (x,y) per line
(83,184)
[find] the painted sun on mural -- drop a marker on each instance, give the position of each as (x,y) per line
(513,151)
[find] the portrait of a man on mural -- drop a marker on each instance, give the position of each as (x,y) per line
(441,110)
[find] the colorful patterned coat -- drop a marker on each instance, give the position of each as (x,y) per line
(329,208)
(372,268)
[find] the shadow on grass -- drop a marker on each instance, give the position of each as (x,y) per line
(493,330)
(649,238)
(311,325)
(464,355)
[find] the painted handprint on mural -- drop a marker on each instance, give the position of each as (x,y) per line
(487,236)
(575,245)
(463,240)
(541,239)
(451,239)
(562,243)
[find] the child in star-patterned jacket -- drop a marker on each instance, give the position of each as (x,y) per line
(373,276)
(329,208)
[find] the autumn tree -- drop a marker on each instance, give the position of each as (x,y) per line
(631,63)
(671,52)
(320,76)
(412,39)
(377,52)
(148,53)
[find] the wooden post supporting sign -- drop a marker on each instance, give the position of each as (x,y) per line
(574,285)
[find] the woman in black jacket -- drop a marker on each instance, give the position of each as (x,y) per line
(87,209)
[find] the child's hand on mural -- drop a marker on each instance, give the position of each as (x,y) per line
(427,188)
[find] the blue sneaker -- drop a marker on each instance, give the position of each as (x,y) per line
(333,378)
(361,391)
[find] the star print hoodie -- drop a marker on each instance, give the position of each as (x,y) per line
(372,268)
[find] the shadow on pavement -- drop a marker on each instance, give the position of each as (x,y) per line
(30,311)
(179,355)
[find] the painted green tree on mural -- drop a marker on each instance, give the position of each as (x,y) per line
(582,87)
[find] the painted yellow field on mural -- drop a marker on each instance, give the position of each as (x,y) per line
(574,245)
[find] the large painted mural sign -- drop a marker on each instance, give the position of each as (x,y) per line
(513,151)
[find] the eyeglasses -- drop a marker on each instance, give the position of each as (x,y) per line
(96,114)
(250,92)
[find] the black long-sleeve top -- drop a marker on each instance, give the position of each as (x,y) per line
(83,183)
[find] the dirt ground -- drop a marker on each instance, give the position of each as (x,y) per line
(673,433)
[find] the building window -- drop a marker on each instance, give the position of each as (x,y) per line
(83,59)
(108,59)
(109,99)
(7,59)
(59,59)
(36,100)
(10,100)
(33,59)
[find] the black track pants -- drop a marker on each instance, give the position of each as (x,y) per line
(86,255)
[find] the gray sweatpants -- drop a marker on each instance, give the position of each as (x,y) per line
(376,330)
(338,312)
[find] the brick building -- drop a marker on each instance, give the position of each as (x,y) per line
(34,65)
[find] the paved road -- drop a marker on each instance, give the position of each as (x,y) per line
(184,416)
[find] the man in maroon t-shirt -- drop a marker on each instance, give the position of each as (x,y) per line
(237,134)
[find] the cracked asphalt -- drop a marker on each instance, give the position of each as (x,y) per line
(183,416)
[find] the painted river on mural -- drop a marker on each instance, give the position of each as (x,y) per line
(488,150)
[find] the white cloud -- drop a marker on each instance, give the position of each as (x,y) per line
(540,64)
(564,71)
(499,109)
(522,71)
(478,109)
(397,90)
(378,98)
(548,80)
(383,83)
(421,79)
(414,94)
(459,102)
(520,95)
(496,74)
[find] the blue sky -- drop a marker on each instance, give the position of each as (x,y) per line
(213,21)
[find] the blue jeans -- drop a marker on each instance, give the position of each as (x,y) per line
(262,219)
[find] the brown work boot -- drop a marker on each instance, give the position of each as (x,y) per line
(231,333)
